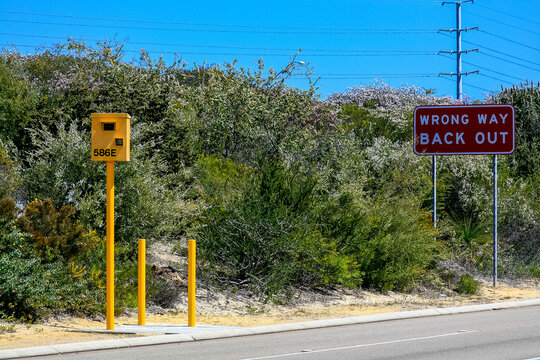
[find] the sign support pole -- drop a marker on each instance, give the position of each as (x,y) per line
(141,301)
(434,179)
(110,245)
(495,221)
(191,282)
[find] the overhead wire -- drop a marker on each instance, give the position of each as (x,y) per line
(502,22)
(493,71)
(483,68)
(325,76)
(509,40)
(381,76)
(473,86)
(497,51)
(234,47)
(373,54)
(478,87)
(195,24)
(495,78)
(365,31)
(500,52)
(509,61)
(508,14)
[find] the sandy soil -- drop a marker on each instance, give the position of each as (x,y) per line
(236,310)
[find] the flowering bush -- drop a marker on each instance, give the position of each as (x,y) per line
(394,104)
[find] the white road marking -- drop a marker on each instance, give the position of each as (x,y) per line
(460,332)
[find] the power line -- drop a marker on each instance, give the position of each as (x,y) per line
(368,76)
(509,61)
(502,23)
(351,32)
(495,78)
(380,74)
(509,40)
(234,47)
(483,68)
(383,76)
(325,76)
(500,52)
(469,85)
(508,14)
(479,88)
(416,2)
(196,24)
(374,54)
(493,71)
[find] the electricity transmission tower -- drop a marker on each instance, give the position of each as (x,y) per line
(459,73)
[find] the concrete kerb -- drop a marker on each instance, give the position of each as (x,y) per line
(208,335)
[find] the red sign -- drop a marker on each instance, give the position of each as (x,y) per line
(465,129)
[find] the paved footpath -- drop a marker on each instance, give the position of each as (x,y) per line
(179,334)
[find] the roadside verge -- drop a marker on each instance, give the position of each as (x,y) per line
(204,334)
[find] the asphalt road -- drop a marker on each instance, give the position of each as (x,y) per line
(500,334)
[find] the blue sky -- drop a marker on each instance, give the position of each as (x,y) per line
(347,42)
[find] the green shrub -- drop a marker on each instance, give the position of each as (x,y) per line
(393,244)
(276,227)
(9,177)
(162,292)
(8,211)
(32,289)
(534,271)
(56,234)
(467,285)
(57,280)
(366,126)
(525,98)
(266,235)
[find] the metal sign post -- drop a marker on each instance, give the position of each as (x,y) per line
(495,220)
(434,179)
(110,245)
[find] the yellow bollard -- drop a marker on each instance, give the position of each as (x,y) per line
(191,282)
(110,245)
(142,282)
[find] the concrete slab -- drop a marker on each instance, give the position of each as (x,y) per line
(27,352)
(159,339)
(221,334)
(152,329)
(90,345)
(315,324)
(268,329)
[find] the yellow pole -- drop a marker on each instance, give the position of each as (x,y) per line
(110,245)
(191,283)
(142,282)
